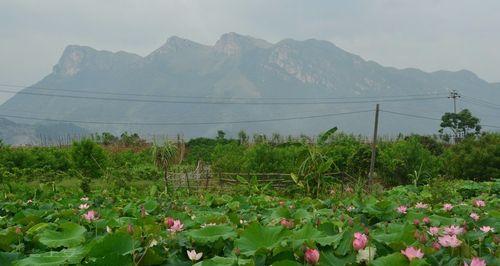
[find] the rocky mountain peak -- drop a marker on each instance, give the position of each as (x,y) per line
(70,62)
(234,44)
(176,44)
(75,58)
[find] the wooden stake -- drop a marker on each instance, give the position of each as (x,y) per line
(374,146)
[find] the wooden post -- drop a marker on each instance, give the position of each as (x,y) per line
(374,146)
(187,182)
(207,176)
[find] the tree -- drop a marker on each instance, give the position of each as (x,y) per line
(242,137)
(462,124)
(220,135)
(474,158)
(163,155)
(90,159)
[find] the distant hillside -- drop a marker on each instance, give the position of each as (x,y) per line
(241,66)
(21,134)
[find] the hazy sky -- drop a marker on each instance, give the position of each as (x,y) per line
(427,34)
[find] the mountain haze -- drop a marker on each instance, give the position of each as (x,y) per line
(236,67)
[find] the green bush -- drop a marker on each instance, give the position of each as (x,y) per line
(350,156)
(89,158)
(402,161)
(228,158)
(264,158)
(474,158)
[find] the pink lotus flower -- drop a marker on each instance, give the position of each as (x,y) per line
(476,262)
(479,203)
(447,207)
(453,230)
(90,216)
(402,209)
(289,224)
(176,227)
(412,253)
(311,256)
(474,216)
(360,241)
(449,241)
(84,206)
(486,229)
(416,222)
(421,205)
(433,230)
(193,256)
(426,220)
(436,246)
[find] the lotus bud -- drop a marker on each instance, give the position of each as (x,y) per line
(169,221)
(312,256)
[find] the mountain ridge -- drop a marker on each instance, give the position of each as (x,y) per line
(242,66)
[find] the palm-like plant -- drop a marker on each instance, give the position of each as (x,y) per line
(313,170)
(163,156)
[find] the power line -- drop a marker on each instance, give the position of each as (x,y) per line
(426,117)
(483,101)
(182,123)
(481,104)
(217,97)
(216,102)
(411,115)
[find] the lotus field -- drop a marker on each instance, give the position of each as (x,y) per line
(406,225)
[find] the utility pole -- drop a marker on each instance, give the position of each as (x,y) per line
(454,95)
(374,145)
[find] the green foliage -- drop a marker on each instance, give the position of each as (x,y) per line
(164,156)
(228,158)
(313,172)
(89,158)
(70,235)
(400,162)
(477,159)
(462,124)
(350,156)
(241,229)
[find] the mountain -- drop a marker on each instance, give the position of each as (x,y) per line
(237,67)
(38,134)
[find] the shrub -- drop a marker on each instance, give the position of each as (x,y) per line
(350,156)
(89,158)
(477,159)
(403,160)
(228,158)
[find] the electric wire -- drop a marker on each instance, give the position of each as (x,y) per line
(426,117)
(183,123)
(217,97)
(218,102)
